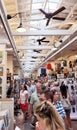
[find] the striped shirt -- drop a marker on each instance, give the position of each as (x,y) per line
(60,109)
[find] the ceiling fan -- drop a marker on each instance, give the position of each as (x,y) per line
(51,15)
(42,40)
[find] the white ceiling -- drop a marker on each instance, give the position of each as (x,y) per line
(34,21)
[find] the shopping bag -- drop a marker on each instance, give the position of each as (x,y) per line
(19,101)
(66,103)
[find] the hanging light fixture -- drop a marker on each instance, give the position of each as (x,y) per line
(20,28)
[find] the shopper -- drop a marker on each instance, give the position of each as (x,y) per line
(66,97)
(9,88)
(46,95)
(54,98)
(31,88)
(24,102)
(58,104)
(48,118)
(33,102)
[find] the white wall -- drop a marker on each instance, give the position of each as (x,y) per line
(10,63)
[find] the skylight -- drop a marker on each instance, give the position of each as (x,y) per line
(37,6)
(37,1)
(51,6)
(54,1)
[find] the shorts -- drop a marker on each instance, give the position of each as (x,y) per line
(67,111)
(24,106)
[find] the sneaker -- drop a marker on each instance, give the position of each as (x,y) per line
(32,126)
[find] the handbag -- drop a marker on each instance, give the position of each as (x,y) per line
(66,103)
(19,101)
(33,120)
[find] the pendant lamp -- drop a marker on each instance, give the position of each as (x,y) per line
(20,28)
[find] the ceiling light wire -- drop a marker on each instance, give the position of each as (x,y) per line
(20,28)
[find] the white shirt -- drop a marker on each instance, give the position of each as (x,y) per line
(23,96)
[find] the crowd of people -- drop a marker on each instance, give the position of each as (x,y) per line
(41,100)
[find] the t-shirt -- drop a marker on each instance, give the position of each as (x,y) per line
(23,96)
(34,99)
(60,109)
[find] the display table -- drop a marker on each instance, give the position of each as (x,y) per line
(8,103)
(74,116)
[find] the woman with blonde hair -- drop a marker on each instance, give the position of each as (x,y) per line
(48,117)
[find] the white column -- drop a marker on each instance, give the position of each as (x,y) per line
(3,67)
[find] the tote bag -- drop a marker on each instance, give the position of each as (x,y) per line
(66,103)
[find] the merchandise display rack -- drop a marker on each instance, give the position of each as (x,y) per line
(7,104)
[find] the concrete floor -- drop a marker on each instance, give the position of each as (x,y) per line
(74,124)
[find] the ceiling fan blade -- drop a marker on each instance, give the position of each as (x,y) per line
(32,61)
(58,11)
(39,41)
(47,22)
(58,18)
(34,57)
(43,11)
(43,38)
(38,51)
(45,41)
